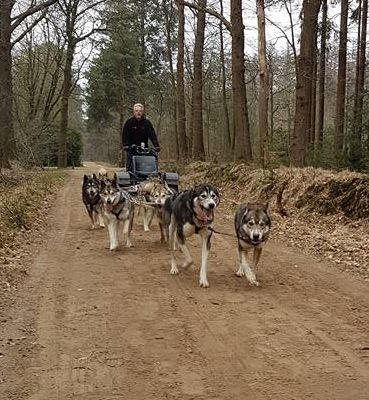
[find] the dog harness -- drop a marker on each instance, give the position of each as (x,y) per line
(121,201)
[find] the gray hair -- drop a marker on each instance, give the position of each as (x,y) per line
(138,105)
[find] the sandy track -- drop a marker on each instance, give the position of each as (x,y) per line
(93,324)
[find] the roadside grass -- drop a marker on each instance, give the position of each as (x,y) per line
(23,195)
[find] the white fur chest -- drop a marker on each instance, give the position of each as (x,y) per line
(188,229)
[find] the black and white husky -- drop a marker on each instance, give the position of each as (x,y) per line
(117,209)
(91,199)
(192,211)
(252,224)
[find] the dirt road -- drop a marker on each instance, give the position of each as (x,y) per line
(90,324)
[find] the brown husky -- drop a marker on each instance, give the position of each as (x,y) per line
(252,224)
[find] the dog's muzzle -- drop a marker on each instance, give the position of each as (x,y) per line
(206,215)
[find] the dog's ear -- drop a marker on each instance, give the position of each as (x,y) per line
(85,178)
(244,209)
(94,176)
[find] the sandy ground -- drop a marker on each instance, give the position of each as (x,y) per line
(90,324)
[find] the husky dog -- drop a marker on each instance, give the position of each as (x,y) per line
(91,199)
(252,224)
(192,211)
(159,195)
(102,175)
(117,208)
(149,191)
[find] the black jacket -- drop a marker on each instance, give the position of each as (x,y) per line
(138,131)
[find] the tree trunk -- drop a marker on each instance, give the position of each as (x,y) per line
(355,145)
(321,89)
(341,85)
(312,128)
(228,138)
(304,82)
(263,86)
(7,144)
(271,107)
(142,17)
(168,15)
(198,151)
(64,114)
(241,127)
(181,103)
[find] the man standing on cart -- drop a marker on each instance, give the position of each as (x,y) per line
(136,131)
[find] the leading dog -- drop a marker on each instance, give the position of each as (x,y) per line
(252,224)
(192,211)
(117,209)
(91,199)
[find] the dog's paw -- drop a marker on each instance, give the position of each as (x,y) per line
(128,244)
(113,248)
(174,271)
(204,283)
(146,229)
(240,272)
(254,282)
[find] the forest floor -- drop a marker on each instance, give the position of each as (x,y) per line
(80,322)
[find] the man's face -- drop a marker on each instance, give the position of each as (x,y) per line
(138,112)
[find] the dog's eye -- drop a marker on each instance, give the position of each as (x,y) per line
(213,196)
(251,223)
(202,196)
(262,224)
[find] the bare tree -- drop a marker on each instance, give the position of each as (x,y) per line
(181,109)
(228,138)
(312,130)
(355,145)
(168,9)
(37,68)
(198,150)
(8,25)
(304,82)
(341,84)
(240,111)
(321,85)
(263,86)
(75,13)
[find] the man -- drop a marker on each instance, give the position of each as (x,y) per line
(137,130)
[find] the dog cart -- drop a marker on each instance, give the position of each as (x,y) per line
(144,167)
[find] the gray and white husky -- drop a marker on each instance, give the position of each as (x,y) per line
(252,224)
(117,210)
(192,212)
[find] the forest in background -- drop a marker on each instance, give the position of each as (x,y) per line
(269,83)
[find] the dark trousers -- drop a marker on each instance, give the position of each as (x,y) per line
(129,161)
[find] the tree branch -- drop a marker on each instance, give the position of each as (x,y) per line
(212,12)
(24,33)
(92,5)
(87,35)
(17,20)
